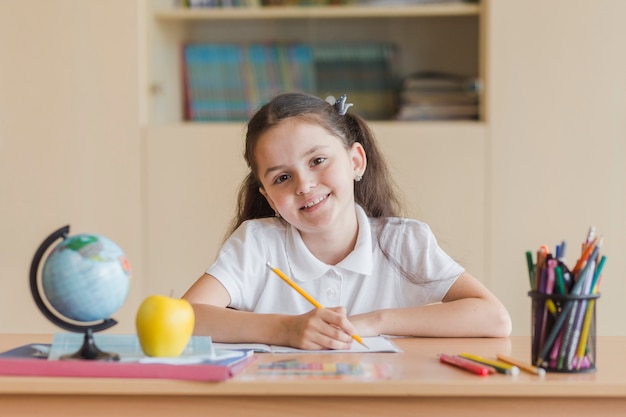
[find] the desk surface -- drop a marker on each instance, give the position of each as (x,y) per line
(417,381)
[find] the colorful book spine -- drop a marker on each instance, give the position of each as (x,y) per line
(225,82)
(364,71)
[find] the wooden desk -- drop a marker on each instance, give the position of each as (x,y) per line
(419,385)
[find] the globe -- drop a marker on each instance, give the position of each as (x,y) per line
(85,278)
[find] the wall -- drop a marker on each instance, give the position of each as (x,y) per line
(70,149)
(558,142)
(69,139)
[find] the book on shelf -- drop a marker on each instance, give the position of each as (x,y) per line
(229,82)
(443,112)
(199,362)
(406,2)
(305,3)
(199,4)
(213,78)
(438,96)
(363,71)
(440,81)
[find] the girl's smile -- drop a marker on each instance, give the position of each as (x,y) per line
(315,202)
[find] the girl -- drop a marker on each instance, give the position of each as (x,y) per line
(318,203)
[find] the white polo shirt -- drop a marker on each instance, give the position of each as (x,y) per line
(364,281)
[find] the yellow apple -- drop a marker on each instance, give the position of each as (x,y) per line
(164,325)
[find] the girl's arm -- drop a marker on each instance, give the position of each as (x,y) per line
(469,309)
(326,328)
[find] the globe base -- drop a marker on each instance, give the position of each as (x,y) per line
(90,351)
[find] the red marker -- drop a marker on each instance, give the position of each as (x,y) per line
(466,364)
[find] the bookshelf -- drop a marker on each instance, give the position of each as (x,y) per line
(428,37)
(193,169)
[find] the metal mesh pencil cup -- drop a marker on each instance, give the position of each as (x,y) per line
(563,331)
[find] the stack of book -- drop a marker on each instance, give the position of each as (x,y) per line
(197,4)
(194,4)
(306,3)
(439,96)
(229,82)
(200,361)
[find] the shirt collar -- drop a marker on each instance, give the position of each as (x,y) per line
(306,267)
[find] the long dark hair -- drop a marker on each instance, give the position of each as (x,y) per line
(375,192)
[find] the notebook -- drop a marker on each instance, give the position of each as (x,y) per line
(374,343)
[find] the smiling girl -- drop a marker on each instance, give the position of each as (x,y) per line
(319,204)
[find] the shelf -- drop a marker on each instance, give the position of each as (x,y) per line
(318,12)
(427,37)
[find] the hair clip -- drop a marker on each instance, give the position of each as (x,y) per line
(340,105)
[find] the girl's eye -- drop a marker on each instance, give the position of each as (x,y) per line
(281,178)
(318,160)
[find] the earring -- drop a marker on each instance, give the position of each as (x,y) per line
(277,214)
(357,177)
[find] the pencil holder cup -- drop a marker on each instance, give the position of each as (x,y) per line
(564,331)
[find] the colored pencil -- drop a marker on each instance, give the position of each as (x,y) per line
(500,367)
(466,364)
(531,268)
(521,365)
(588,249)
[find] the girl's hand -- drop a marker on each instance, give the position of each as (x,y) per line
(321,328)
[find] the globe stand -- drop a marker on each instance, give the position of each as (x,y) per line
(89,350)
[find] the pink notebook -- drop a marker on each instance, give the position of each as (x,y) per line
(93,369)
(28,360)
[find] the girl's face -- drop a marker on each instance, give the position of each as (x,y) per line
(307,175)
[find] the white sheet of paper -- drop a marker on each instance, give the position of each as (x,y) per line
(374,343)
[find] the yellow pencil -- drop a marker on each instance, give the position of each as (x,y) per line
(305,295)
(501,367)
(584,335)
(523,366)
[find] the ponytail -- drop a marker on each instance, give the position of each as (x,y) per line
(376,191)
